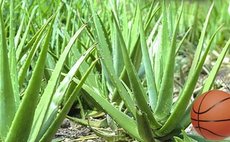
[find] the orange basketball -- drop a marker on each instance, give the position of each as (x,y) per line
(210,115)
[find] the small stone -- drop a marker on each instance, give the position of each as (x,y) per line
(65,123)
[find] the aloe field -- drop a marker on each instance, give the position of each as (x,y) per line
(113,70)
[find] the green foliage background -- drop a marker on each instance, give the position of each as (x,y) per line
(120,60)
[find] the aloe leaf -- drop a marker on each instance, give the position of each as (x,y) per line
(46,98)
(134,35)
(212,75)
(201,40)
(134,44)
(19,49)
(22,74)
(12,54)
(19,31)
(162,52)
(186,138)
(94,123)
(153,32)
(60,93)
(144,128)
(22,122)
(32,40)
(152,92)
(106,59)
(151,13)
(164,103)
(186,120)
(109,135)
(121,118)
(165,41)
(23,70)
(182,40)
(157,61)
(7,98)
(63,111)
(117,55)
(125,20)
(138,90)
(186,93)
(177,139)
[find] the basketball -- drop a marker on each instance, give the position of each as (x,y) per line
(210,115)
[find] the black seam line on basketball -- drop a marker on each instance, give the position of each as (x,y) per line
(198,115)
(211,106)
(220,120)
(211,132)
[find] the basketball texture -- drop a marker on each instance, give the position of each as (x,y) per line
(210,115)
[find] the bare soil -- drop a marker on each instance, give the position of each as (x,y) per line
(72,132)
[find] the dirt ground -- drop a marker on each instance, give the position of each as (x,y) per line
(72,132)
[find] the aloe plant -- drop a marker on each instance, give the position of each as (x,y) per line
(30,111)
(118,58)
(139,82)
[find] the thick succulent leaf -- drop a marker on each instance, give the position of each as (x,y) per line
(212,75)
(152,91)
(164,103)
(23,40)
(121,118)
(144,128)
(7,99)
(60,116)
(182,40)
(39,38)
(12,55)
(138,90)
(186,93)
(201,41)
(22,123)
(106,58)
(46,98)
(60,94)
